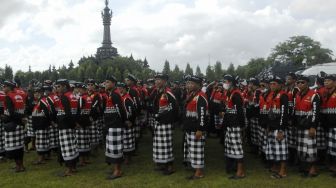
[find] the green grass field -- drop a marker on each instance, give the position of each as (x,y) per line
(140,172)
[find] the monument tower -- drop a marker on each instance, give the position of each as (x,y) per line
(107,50)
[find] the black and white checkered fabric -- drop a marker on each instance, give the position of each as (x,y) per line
(114,144)
(2,138)
(137,128)
(307,148)
(332,141)
(234,143)
(83,142)
(262,139)
(292,136)
(68,143)
(93,133)
(100,127)
(129,139)
(151,120)
(163,143)
(321,137)
(254,128)
(218,121)
(42,140)
(276,150)
(30,130)
(194,150)
(15,140)
(53,137)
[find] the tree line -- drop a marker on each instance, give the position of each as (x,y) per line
(299,51)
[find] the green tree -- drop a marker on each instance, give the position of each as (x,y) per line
(166,68)
(300,48)
(99,74)
(210,73)
(231,69)
(218,70)
(198,72)
(189,70)
(8,72)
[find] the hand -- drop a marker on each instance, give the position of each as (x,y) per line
(280,136)
(312,132)
(24,121)
(128,124)
(198,135)
(77,126)
(221,114)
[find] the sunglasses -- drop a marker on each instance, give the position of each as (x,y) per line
(90,84)
(301,82)
(58,86)
(262,85)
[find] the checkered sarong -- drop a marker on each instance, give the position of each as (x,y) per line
(321,137)
(163,143)
(114,145)
(2,138)
(151,120)
(233,143)
(262,139)
(276,150)
(292,136)
(94,133)
(332,141)
(30,130)
(100,127)
(15,139)
(194,150)
(254,128)
(129,139)
(307,148)
(42,140)
(83,142)
(53,137)
(68,143)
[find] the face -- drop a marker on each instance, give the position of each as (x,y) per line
(122,90)
(128,82)
(328,83)
(289,80)
(159,83)
(109,84)
(302,84)
(275,86)
(37,95)
(263,86)
(192,86)
(6,89)
(90,87)
(60,88)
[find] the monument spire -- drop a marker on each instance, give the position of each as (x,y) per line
(107,50)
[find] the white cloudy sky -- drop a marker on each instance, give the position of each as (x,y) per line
(43,32)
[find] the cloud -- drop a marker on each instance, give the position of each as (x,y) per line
(178,30)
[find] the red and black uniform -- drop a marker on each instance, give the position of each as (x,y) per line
(41,122)
(307,109)
(291,127)
(114,117)
(52,100)
(329,118)
(264,108)
(2,131)
(234,122)
(165,110)
(252,111)
(195,119)
(84,121)
(14,108)
(67,115)
(95,128)
(129,132)
(277,122)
